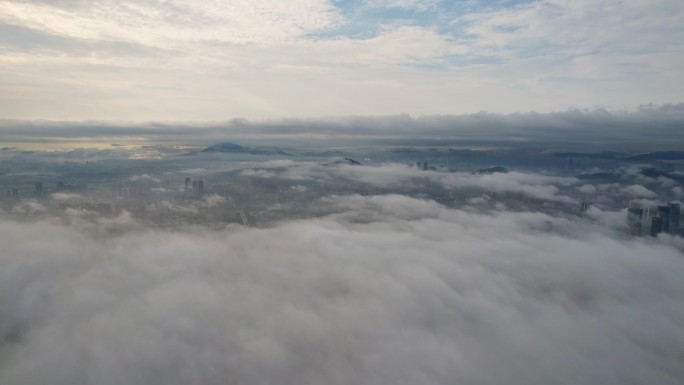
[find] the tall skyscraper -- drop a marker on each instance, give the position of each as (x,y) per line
(664,215)
(188,182)
(200,188)
(656,226)
(674,218)
(585,207)
(39,188)
(634,217)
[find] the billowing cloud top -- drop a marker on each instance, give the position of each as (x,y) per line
(153,59)
(387,290)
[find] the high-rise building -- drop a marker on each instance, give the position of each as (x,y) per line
(103,208)
(60,186)
(664,215)
(188,183)
(39,188)
(123,190)
(634,217)
(200,188)
(674,218)
(585,207)
(656,226)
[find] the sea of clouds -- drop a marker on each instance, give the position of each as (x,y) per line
(385,290)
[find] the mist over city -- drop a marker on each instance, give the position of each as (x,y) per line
(333,192)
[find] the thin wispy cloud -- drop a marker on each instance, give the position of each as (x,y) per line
(222,59)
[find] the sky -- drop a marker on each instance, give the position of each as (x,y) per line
(199,60)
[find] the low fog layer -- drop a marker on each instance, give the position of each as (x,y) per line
(648,128)
(386,290)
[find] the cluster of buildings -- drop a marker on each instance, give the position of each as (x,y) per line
(194,187)
(255,193)
(422,165)
(38,190)
(662,219)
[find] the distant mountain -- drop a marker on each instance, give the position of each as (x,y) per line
(325,153)
(600,177)
(347,161)
(466,153)
(228,147)
(225,147)
(492,170)
(656,173)
(659,155)
(615,177)
(590,155)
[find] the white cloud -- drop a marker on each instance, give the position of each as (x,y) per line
(213,200)
(299,188)
(639,191)
(393,45)
(166,205)
(207,60)
(398,175)
(602,40)
(261,173)
(587,189)
(143,177)
(581,25)
(27,207)
(66,197)
(172,24)
(390,290)
(417,5)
